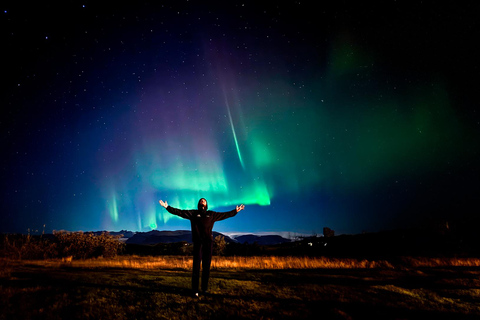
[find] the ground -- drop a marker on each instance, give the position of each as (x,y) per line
(63,291)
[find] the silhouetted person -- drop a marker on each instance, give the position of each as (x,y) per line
(202,221)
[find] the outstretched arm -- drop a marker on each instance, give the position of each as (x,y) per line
(224,215)
(186,214)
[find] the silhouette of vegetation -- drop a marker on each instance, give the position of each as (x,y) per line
(62,244)
(219,246)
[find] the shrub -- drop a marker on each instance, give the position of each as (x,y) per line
(219,246)
(62,244)
(18,246)
(81,245)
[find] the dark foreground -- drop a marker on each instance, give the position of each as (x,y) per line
(44,292)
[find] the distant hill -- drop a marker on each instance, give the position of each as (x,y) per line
(156,236)
(266,240)
(167,236)
(123,233)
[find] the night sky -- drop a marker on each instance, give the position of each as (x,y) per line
(358,118)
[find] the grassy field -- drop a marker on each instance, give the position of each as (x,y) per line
(244,288)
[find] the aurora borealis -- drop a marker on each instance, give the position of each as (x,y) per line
(353,118)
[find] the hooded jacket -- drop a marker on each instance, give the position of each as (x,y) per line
(202,220)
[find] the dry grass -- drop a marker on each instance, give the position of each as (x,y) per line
(257,263)
(275,263)
(218,263)
(442,262)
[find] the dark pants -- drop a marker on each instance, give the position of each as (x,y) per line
(202,253)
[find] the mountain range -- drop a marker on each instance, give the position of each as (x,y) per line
(156,236)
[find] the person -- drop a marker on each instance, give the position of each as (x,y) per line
(202,221)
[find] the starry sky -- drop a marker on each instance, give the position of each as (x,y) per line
(360,118)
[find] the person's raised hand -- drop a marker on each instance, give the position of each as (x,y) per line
(240,207)
(163,204)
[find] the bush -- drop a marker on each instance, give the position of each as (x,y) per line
(18,246)
(219,246)
(62,244)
